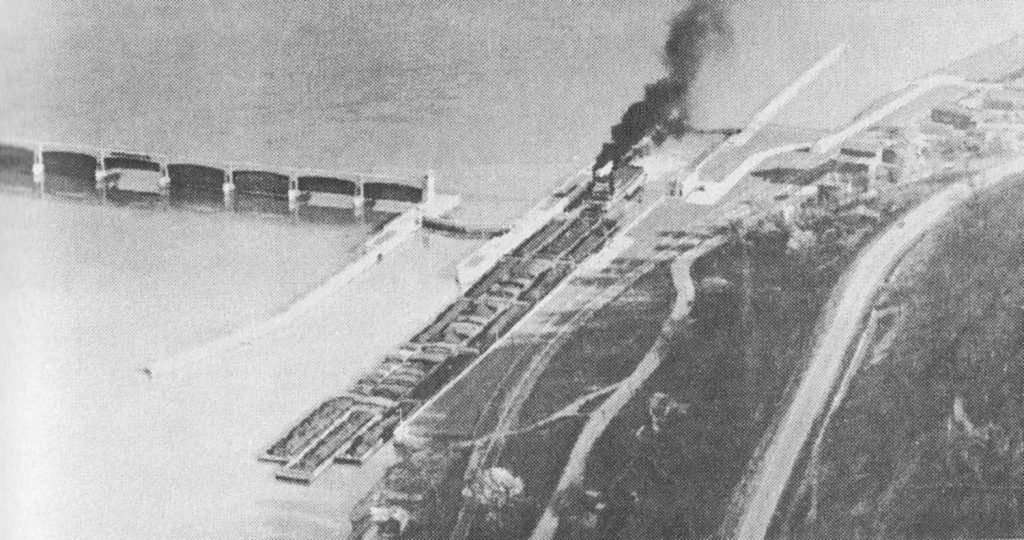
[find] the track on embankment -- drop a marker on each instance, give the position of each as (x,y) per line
(763,489)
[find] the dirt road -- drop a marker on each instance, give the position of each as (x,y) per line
(609,409)
(507,410)
(849,305)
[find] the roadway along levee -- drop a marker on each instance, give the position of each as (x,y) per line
(764,488)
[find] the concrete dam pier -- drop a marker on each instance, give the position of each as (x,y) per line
(126,177)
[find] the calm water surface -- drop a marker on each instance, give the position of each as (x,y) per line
(501,98)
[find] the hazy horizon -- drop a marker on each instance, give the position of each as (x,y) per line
(500,102)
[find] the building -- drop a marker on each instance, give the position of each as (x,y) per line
(953,115)
(795,168)
(858,162)
(1003,100)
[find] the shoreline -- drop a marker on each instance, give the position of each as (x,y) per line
(396,232)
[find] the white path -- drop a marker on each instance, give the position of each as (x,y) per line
(916,90)
(624,392)
(762,118)
(393,235)
(709,193)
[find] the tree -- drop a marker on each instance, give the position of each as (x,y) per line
(497,490)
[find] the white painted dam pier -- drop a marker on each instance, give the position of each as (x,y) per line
(82,171)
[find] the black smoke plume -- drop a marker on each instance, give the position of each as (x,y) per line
(693,33)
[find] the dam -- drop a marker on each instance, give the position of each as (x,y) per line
(130,177)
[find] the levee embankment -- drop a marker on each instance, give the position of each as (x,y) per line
(845,319)
(399,230)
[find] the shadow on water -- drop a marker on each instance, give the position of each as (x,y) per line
(135,183)
(208,202)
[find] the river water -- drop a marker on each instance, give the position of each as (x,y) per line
(500,98)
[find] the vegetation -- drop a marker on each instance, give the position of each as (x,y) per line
(600,352)
(425,484)
(929,441)
(606,348)
(730,367)
(537,457)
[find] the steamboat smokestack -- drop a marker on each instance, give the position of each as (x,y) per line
(692,34)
